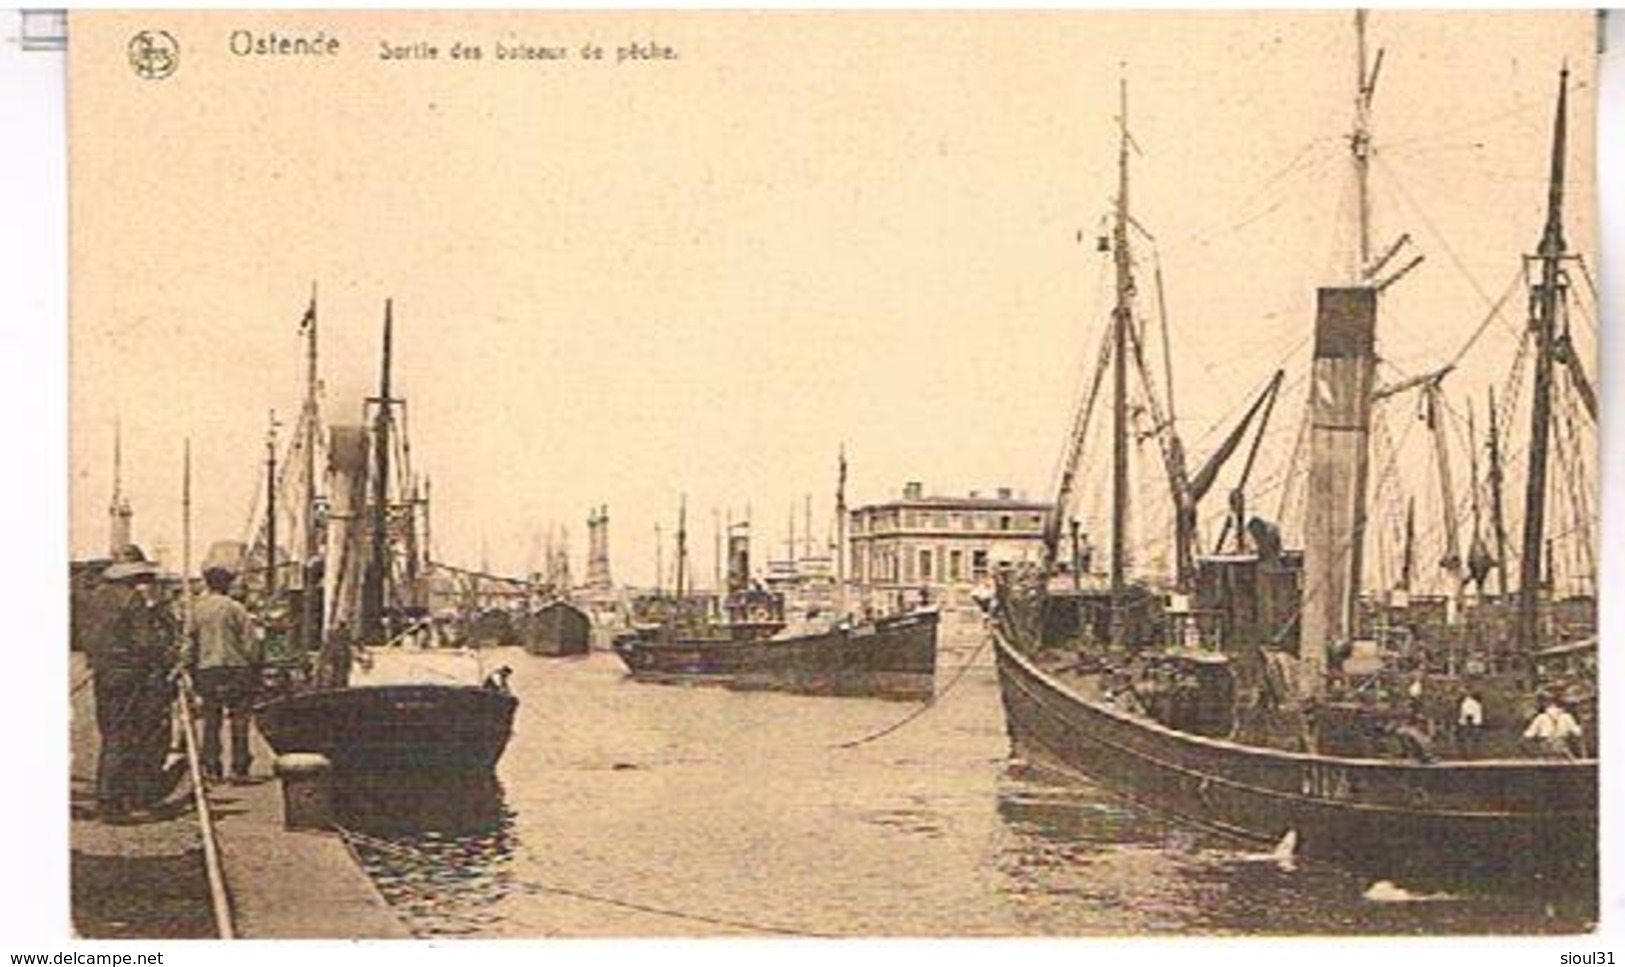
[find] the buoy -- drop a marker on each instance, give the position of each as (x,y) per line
(307,798)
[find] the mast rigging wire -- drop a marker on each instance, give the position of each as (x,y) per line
(1392,178)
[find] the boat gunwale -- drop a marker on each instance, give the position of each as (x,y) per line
(894,623)
(1004,647)
(319,696)
(1268,792)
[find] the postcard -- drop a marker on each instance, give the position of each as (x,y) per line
(930,474)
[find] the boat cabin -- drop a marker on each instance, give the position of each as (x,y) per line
(1083,616)
(753,613)
(1192,691)
(1243,601)
(1572,660)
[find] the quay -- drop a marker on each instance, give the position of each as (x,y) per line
(148,879)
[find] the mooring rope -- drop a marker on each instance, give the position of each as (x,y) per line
(929,703)
(416,855)
(211,851)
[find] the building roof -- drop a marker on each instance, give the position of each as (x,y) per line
(958,503)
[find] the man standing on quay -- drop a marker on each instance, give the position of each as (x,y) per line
(226,660)
(132,657)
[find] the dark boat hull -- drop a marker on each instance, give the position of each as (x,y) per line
(394,728)
(556,631)
(894,657)
(1455,822)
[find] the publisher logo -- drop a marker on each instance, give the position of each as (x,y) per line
(154,54)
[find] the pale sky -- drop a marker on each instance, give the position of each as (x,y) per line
(620,284)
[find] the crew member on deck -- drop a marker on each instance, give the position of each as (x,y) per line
(226,658)
(1469,725)
(1553,732)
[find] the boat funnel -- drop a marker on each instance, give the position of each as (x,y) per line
(1339,444)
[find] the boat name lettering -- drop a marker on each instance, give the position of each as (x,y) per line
(1325,781)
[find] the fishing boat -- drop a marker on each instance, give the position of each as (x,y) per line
(374,704)
(893,656)
(1227,706)
(755,646)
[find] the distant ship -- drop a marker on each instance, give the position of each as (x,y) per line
(754,646)
(556,629)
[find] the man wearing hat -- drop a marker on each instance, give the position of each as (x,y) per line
(131,661)
(226,656)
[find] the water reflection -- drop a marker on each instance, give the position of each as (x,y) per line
(1082,857)
(439,847)
(626,809)
(1080,861)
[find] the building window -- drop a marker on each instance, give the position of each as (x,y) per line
(978,565)
(908,567)
(937,521)
(1004,522)
(925,566)
(956,565)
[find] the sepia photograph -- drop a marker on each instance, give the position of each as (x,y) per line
(937,474)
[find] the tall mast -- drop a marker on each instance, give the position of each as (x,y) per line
(1174,454)
(1360,139)
(1122,318)
(186,542)
(1478,557)
(1497,514)
(1546,304)
(682,544)
(840,536)
(428,533)
(716,550)
(1407,561)
(375,590)
(1365,86)
(311,418)
(412,560)
(270,508)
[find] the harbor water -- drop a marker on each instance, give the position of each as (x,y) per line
(629,809)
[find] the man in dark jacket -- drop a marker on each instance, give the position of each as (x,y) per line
(132,660)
